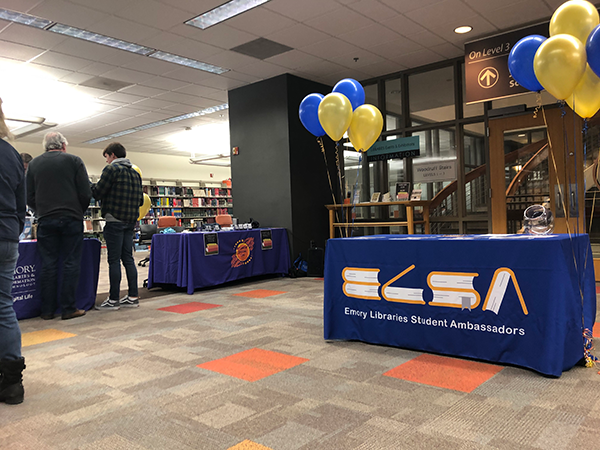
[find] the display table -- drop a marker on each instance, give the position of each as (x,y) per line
(514,299)
(27,285)
(182,259)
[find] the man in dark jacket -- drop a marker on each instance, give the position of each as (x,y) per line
(58,191)
(119,191)
(12,216)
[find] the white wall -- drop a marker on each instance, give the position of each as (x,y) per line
(153,166)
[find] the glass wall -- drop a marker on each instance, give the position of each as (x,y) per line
(431,96)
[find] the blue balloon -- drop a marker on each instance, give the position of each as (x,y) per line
(592,48)
(520,62)
(353,90)
(309,114)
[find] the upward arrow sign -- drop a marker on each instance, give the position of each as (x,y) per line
(487,77)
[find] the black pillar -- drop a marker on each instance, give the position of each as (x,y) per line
(279,177)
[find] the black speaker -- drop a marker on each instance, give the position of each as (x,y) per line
(316,262)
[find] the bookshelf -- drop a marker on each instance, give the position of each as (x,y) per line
(191,202)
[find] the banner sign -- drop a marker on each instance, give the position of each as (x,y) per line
(486,65)
(405,147)
(266,241)
(211,244)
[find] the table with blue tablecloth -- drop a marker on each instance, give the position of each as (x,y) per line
(515,299)
(27,285)
(182,259)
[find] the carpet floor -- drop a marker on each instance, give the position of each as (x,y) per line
(245,367)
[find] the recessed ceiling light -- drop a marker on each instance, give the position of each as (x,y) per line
(24,19)
(187,62)
(520,135)
(462,30)
(223,12)
(100,39)
(158,123)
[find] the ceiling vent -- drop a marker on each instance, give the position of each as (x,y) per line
(106,84)
(261,48)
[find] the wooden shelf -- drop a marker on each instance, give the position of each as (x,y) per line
(410,222)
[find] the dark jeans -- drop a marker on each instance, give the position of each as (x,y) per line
(10,333)
(119,245)
(60,240)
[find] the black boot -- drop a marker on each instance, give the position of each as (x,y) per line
(11,386)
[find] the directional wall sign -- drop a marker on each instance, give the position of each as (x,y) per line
(404,147)
(486,65)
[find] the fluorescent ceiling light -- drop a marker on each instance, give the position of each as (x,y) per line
(223,12)
(100,39)
(187,62)
(26,91)
(158,123)
(24,19)
(462,30)
(210,139)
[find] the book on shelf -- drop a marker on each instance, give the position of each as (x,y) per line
(402,191)
(375,197)
(416,195)
(386,197)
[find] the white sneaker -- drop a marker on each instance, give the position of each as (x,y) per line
(129,302)
(108,305)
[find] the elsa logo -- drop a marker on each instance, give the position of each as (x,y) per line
(450,289)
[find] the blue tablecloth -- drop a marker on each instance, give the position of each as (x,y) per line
(180,258)
(516,299)
(27,286)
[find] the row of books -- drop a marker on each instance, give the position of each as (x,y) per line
(162,202)
(180,191)
(177,212)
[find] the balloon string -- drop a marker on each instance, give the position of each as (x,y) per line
(320,141)
(339,170)
(580,281)
(538,102)
(355,189)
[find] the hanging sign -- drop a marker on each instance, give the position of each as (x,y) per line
(404,147)
(486,65)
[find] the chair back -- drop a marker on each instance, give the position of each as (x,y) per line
(167,221)
(147,230)
(224,220)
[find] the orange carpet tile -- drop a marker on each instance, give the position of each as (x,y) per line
(253,364)
(259,293)
(43,336)
(249,445)
(596,330)
(187,308)
(449,373)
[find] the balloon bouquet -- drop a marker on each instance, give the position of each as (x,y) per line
(147,203)
(342,110)
(567,64)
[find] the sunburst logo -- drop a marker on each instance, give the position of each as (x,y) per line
(242,252)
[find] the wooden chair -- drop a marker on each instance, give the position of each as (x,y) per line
(224,220)
(167,221)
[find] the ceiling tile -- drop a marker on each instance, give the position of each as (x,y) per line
(260,21)
(230,60)
(97,68)
(262,69)
(302,10)
(143,91)
(84,49)
(383,67)
(107,6)
(322,67)
(154,103)
(448,51)
(219,82)
(194,6)
(518,13)
(188,75)
(19,5)
(121,58)
(241,77)
(62,61)
(445,14)
(405,6)
(486,6)
(357,60)
(153,13)
(293,59)
(19,52)
(298,36)
(131,76)
(168,84)
(417,59)
(192,49)
(373,9)
(76,78)
(121,97)
(67,13)
(123,29)
(426,38)
(402,25)
(198,91)
(330,48)
(151,65)
(395,48)
(369,36)
(222,36)
(339,21)
(22,34)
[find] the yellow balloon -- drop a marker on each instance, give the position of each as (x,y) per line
(137,169)
(145,207)
(335,115)
(575,17)
(559,64)
(585,100)
(365,128)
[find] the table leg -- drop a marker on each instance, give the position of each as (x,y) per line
(409,219)
(331,228)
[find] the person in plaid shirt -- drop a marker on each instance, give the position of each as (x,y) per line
(119,191)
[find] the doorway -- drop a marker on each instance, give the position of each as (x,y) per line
(536,161)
